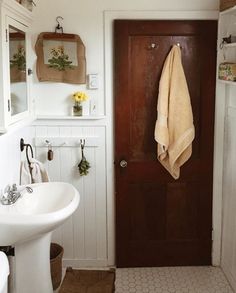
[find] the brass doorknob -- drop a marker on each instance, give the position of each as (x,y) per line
(123,164)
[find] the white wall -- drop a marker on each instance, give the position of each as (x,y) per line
(10,155)
(226,96)
(229,190)
(85,17)
(84,235)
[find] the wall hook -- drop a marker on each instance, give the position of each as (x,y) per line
(179,45)
(50,151)
(82,143)
(152,46)
(59,27)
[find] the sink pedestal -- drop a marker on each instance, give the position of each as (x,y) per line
(27,225)
(32,266)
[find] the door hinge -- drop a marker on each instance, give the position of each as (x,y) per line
(6,35)
(212,235)
(8,105)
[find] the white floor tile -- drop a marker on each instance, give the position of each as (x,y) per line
(172,280)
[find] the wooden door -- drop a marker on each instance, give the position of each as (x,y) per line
(161,221)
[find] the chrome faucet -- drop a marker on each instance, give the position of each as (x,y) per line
(11,194)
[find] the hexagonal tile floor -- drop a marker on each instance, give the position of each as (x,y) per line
(172,280)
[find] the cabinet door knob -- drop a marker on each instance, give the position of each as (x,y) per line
(123,164)
(30,71)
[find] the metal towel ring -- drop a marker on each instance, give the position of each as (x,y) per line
(32,153)
(26,146)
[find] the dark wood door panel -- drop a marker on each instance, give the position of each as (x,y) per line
(166,253)
(161,221)
(190,171)
(159,211)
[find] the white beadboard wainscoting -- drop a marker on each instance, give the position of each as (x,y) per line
(228,262)
(84,235)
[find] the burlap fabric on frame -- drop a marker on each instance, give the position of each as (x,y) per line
(75,73)
(225,4)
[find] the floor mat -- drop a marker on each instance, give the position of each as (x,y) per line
(87,281)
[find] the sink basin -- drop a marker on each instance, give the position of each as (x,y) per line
(36,213)
(27,225)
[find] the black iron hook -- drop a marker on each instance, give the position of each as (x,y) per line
(27,155)
(82,143)
(24,145)
(59,27)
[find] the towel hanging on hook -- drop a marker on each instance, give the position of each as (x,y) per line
(26,171)
(35,172)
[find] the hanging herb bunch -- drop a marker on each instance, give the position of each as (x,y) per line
(84,165)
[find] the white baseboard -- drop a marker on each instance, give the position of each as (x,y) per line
(85,263)
(229,275)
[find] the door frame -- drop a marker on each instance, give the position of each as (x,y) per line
(108,18)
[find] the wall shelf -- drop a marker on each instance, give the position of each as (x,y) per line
(61,117)
(227,82)
(91,141)
(231,45)
(231,10)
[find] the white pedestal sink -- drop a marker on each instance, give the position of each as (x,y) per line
(27,225)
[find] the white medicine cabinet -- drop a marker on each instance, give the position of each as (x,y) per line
(15,103)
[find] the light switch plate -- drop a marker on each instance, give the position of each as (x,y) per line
(93,81)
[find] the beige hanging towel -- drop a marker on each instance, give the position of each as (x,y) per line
(174,131)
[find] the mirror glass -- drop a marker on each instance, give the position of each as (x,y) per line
(17,56)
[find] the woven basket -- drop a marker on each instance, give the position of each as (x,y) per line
(56,253)
(225,4)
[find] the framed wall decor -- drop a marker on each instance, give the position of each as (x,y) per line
(60,58)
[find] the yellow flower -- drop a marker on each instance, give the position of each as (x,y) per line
(79,97)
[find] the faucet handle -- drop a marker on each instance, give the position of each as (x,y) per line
(29,189)
(14,187)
